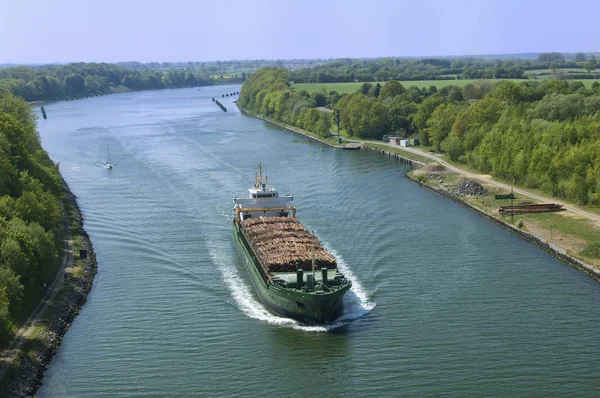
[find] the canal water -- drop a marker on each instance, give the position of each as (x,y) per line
(444,302)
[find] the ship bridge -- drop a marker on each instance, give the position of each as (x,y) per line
(263,201)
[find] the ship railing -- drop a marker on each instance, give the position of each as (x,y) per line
(239,210)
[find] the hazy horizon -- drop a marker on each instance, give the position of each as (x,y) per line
(182,30)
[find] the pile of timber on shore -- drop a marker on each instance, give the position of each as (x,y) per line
(284,245)
(529,208)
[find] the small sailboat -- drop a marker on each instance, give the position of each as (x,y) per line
(108,165)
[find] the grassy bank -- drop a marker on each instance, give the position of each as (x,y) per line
(576,235)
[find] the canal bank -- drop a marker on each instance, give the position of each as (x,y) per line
(562,249)
(528,236)
(299,131)
(24,362)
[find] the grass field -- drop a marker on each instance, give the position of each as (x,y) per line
(353,86)
(565,70)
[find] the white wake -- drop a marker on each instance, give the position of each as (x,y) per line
(356,301)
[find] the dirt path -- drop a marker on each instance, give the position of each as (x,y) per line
(11,353)
(487,179)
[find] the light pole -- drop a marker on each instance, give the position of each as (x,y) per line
(336,116)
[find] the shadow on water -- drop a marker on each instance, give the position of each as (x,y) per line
(307,346)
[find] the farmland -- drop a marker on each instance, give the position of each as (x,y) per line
(353,86)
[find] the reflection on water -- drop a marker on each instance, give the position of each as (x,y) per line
(443,302)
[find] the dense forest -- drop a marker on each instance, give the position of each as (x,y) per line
(30,210)
(541,134)
(83,79)
(384,69)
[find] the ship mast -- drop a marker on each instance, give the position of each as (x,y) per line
(258,184)
(312,254)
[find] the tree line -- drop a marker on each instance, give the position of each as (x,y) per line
(30,211)
(384,69)
(541,134)
(83,79)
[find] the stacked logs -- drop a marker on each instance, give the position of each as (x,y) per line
(284,245)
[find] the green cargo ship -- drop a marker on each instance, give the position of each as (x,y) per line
(293,274)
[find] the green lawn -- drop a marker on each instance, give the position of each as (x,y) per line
(353,86)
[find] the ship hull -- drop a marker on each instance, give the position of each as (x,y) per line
(306,308)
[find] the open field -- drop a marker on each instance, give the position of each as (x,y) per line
(352,87)
(564,70)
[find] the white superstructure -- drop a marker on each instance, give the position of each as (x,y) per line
(263,201)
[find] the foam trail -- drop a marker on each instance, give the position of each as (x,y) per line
(245,300)
(356,301)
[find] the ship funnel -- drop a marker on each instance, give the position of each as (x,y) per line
(299,278)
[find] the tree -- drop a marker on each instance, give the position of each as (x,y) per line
(74,84)
(550,57)
(580,57)
(424,112)
(365,88)
(323,125)
(440,123)
(391,89)
(590,65)
(377,90)
(319,98)
(453,147)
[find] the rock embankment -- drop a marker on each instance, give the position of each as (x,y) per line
(26,376)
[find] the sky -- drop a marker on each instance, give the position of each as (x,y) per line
(43,31)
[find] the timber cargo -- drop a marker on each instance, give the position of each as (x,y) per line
(291,271)
(284,245)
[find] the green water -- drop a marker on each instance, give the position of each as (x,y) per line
(444,303)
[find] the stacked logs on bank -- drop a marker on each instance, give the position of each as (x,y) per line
(528,208)
(284,245)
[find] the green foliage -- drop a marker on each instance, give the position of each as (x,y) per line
(82,79)
(386,69)
(30,214)
(592,250)
(452,145)
(392,89)
(423,114)
(590,65)
(440,123)
(540,134)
